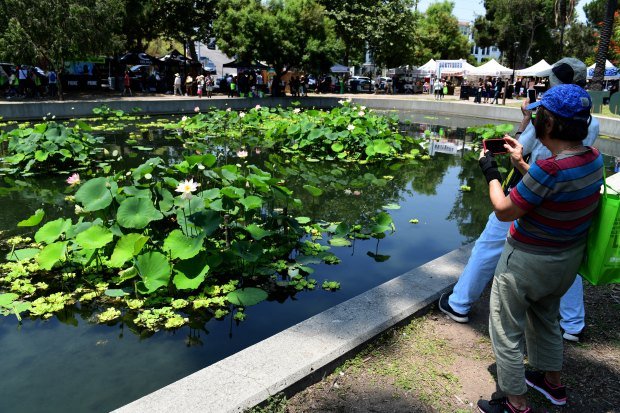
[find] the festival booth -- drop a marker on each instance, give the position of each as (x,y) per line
(143,70)
(534,70)
(258,68)
(454,71)
(611,71)
(491,68)
(87,74)
(427,69)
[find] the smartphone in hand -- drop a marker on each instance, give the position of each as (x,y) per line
(531,95)
(496,146)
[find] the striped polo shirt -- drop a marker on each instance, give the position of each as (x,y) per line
(560,195)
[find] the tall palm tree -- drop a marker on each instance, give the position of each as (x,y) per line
(603,46)
(564,13)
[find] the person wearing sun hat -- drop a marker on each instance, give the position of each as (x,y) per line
(489,246)
(551,208)
(177,84)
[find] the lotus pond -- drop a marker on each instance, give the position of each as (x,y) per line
(137,250)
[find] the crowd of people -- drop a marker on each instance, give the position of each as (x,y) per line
(27,82)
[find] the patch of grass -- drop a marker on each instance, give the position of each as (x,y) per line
(275,404)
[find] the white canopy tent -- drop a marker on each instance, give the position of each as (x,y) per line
(611,71)
(491,68)
(428,68)
(454,67)
(535,69)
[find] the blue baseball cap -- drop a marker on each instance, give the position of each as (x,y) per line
(567,101)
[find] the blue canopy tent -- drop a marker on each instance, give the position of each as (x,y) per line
(611,71)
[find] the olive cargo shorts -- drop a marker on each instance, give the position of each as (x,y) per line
(525,301)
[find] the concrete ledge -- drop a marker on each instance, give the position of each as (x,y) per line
(249,377)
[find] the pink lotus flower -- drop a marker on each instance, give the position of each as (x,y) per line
(74,179)
(186,188)
(242,154)
(196,109)
(357,193)
(257,107)
(361,113)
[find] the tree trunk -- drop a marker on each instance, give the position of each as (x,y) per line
(191,45)
(603,46)
(59,78)
(562,24)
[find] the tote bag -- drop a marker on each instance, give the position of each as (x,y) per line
(601,264)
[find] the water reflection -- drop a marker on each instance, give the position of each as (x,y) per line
(69,364)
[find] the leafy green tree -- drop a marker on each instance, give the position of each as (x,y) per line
(286,34)
(439,35)
(580,41)
(524,21)
(57,31)
(139,23)
(187,21)
(385,28)
(392,39)
(595,11)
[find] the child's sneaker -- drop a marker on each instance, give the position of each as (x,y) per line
(555,394)
(573,337)
(500,406)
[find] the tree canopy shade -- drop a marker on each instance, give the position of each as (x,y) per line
(439,36)
(285,34)
(57,31)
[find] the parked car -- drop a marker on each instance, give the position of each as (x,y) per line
(359,84)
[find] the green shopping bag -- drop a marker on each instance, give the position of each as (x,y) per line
(601,264)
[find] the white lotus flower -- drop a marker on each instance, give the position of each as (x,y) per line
(296,110)
(186,188)
(361,113)
(350,127)
(241,114)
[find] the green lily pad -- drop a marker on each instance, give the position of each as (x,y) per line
(128,246)
(23,254)
(181,246)
(96,194)
(115,292)
(245,297)
(189,274)
(137,213)
(52,230)
(257,232)
(391,206)
(251,202)
(313,190)
(6,300)
(33,220)
(339,242)
(94,237)
(52,254)
(154,269)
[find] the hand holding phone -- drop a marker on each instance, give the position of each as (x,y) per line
(496,146)
(531,95)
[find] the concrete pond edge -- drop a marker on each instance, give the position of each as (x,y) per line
(283,360)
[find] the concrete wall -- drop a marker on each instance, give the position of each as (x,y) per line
(170,105)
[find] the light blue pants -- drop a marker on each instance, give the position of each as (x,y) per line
(481,267)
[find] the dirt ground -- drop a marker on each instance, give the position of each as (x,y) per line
(433,364)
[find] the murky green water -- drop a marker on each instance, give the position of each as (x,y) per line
(67,364)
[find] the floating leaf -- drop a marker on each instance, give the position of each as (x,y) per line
(127,274)
(337,147)
(94,237)
(340,242)
(6,300)
(128,246)
(115,292)
(313,190)
(23,254)
(154,269)
(51,231)
(257,232)
(247,296)
(181,246)
(251,202)
(33,220)
(51,254)
(96,194)
(189,274)
(303,220)
(137,213)
(391,206)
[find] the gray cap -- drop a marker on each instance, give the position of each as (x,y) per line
(566,71)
